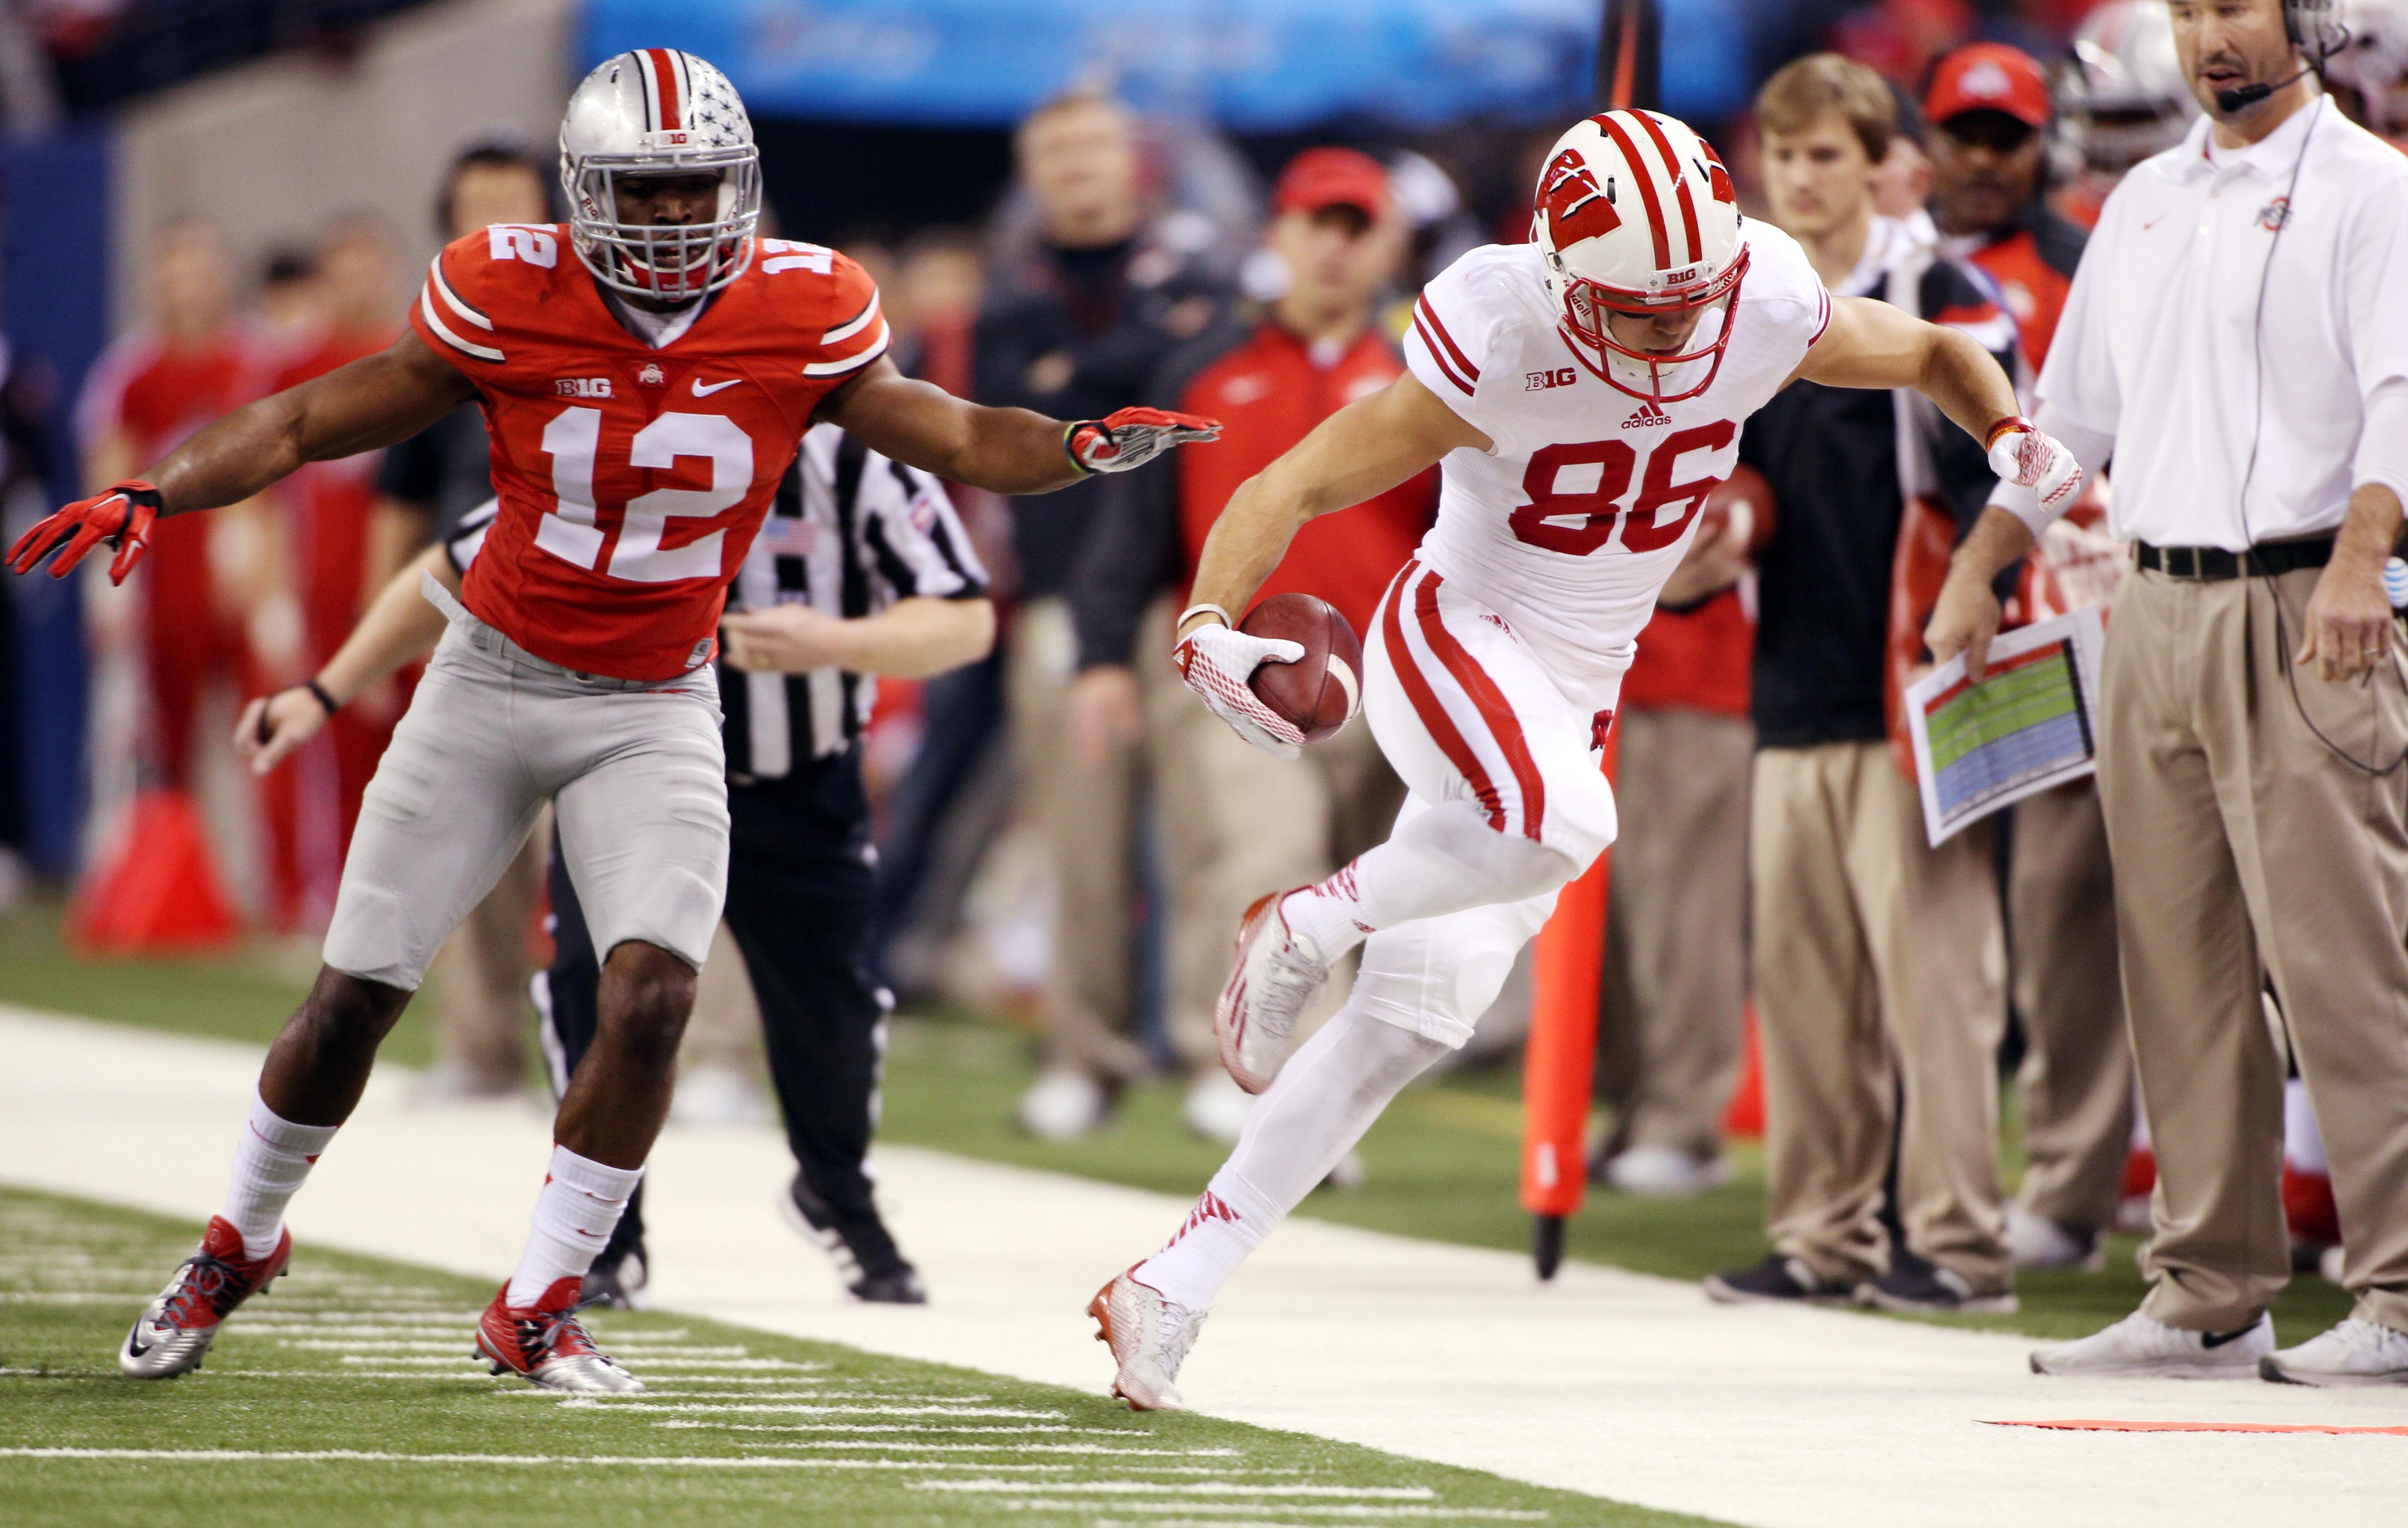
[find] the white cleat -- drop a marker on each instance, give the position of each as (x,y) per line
(1063,1105)
(2355,1352)
(1277,973)
(2035,1241)
(1216,1107)
(1149,1337)
(2141,1346)
(1665,1172)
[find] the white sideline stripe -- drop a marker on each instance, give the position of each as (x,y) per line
(1292,1509)
(443,332)
(362,1456)
(889,1427)
(1446,1353)
(990,1448)
(1200,1488)
(875,1410)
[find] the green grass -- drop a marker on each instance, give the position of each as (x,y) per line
(295,1374)
(1443,1161)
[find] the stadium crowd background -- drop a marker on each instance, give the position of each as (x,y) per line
(207,199)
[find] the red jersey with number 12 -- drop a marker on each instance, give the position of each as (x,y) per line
(1570,526)
(633,480)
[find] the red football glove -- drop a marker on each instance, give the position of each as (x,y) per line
(122,517)
(1132,437)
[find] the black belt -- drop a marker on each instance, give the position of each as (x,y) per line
(2266,559)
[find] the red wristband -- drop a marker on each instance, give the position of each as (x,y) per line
(2012,423)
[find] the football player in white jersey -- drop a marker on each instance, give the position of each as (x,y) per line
(1585,392)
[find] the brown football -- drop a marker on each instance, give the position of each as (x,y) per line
(1322,691)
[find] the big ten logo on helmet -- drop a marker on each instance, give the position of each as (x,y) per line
(1560,376)
(518,241)
(1574,207)
(581,387)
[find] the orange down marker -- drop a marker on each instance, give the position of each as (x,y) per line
(1559,1060)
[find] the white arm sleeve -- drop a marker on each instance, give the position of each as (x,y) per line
(2376,277)
(2080,397)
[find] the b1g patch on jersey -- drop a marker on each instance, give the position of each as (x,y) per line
(1557,376)
(581,387)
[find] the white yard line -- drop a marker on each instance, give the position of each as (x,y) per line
(1606,1383)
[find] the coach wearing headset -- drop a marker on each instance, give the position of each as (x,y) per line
(2237,340)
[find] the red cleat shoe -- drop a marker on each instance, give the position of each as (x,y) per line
(545,1344)
(174,1334)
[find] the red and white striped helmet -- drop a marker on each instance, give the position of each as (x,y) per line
(659,111)
(1635,214)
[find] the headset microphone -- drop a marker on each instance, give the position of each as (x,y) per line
(2246,96)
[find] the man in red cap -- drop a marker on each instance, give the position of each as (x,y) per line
(1237,818)
(1988,106)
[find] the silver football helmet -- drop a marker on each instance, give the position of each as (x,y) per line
(2123,96)
(659,111)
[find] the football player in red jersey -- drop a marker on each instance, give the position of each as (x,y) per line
(646,370)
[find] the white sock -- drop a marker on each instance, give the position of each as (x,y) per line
(269,1164)
(1444,859)
(573,1216)
(1318,1106)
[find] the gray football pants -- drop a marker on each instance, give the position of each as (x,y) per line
(636,772)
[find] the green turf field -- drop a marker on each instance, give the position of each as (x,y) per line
(1443,1161)
(348,1397)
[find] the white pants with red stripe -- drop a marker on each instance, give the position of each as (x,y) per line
(1466,712)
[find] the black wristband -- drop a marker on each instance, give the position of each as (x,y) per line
(324,699)
(1069,433)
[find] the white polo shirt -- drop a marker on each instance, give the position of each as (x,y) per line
(2163,361)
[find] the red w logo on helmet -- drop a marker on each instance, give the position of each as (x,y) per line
(1575,209)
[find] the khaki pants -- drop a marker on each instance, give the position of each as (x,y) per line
(481,977)
(2074,1092)
(1088,816)
(1879,971)
(2244,848)
(1677,929)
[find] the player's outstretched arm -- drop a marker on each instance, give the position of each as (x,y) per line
(1004,450)
(378,400)
(1364,450)
(398,626)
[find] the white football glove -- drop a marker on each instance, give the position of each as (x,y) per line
(2022,455)
(1217,663)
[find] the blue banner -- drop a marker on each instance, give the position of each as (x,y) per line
(1253,65)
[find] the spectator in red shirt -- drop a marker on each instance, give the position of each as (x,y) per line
(158,384)
(1237,819)
(320,540)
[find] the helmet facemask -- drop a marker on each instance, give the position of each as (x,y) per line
(666,262)
(1587,304)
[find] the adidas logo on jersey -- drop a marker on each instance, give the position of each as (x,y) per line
(1648,417)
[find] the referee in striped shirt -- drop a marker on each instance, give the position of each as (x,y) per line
(861,569)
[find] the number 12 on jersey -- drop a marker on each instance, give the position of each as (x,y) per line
(569,530)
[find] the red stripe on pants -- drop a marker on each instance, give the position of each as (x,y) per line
(1439,725)
(1495,708)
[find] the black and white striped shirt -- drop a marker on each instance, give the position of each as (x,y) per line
(850,533)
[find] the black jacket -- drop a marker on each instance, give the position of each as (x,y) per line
(1831,457)
(1077,334)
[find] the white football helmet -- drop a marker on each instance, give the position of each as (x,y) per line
(1635,214)
(2373,60)
(2123,96)
(659,111)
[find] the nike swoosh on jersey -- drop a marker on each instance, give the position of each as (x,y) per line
(702,391)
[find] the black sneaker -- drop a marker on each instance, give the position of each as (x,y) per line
(616,1285)
(1916,1285)
(872,1266)
(1776,1278)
